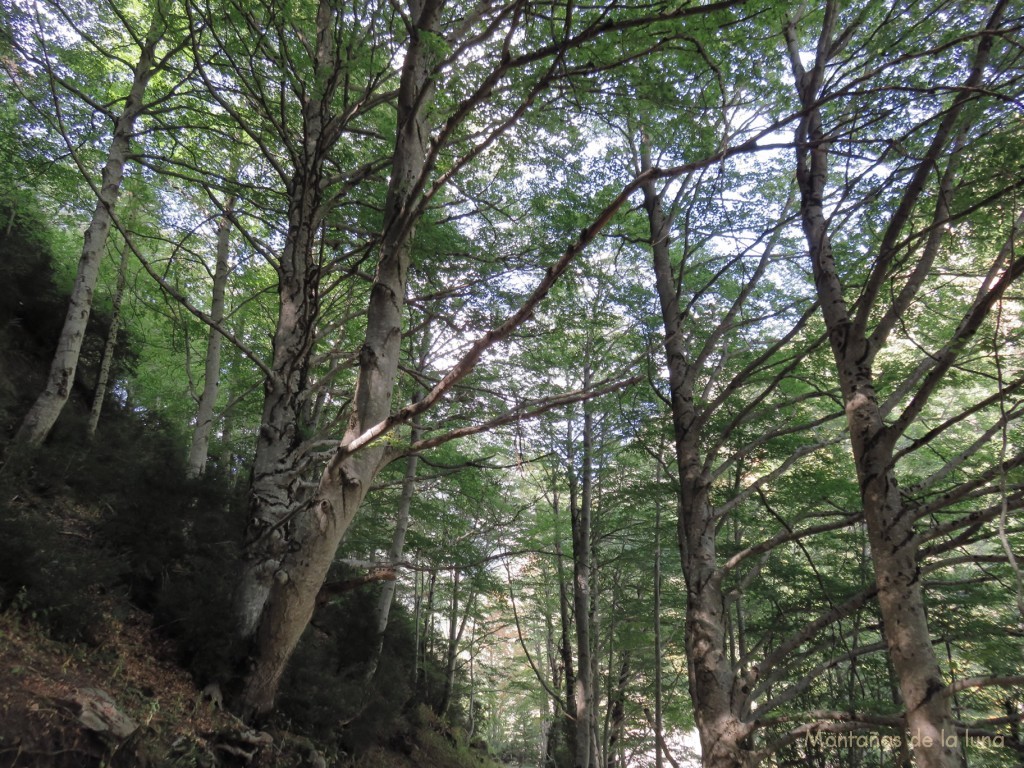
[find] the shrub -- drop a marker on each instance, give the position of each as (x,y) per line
(324,691)
(44,572)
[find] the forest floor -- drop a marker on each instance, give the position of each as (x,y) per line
(118,698)
(50,689)
(121,700)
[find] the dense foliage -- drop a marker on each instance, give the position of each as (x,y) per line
(605,380)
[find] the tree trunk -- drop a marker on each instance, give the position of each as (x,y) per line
(471,709)
(894,543)
(565,646)
(387,594)
(551,726)
(596,754)
(617,727)
(277,487)
(580,508)
(295,544)
(715,690)
(43,415)
(200,447)
(226,456)
(426,635)
(103,379)
(658,725)
(452,650)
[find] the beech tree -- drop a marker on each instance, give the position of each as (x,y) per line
(903,262)
(43,415)
(293,533)
(200,446)
(572,239)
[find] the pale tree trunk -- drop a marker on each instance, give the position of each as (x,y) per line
(471,713)
(43,415)
(565,646)
(714,686)
(417,607)
(103,379)
(455,629)
(424,628)
(200,447)
(296,547)
(226,457)
(658,725)
(387,593)
(580,508)
(891,531)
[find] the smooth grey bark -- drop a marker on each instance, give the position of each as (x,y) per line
(103,379)
(43,414)
(891,525)
(200,446)
(297,537)
(387,593)
(715,687)
(581,512)
(402,520)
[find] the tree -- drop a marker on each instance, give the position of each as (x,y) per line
(293,535)
(857,335)
(447,221)
(43,415)
(200,447)
(106,363)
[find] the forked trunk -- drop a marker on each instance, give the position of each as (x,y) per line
(894,543)
(714,687)
(296,543)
